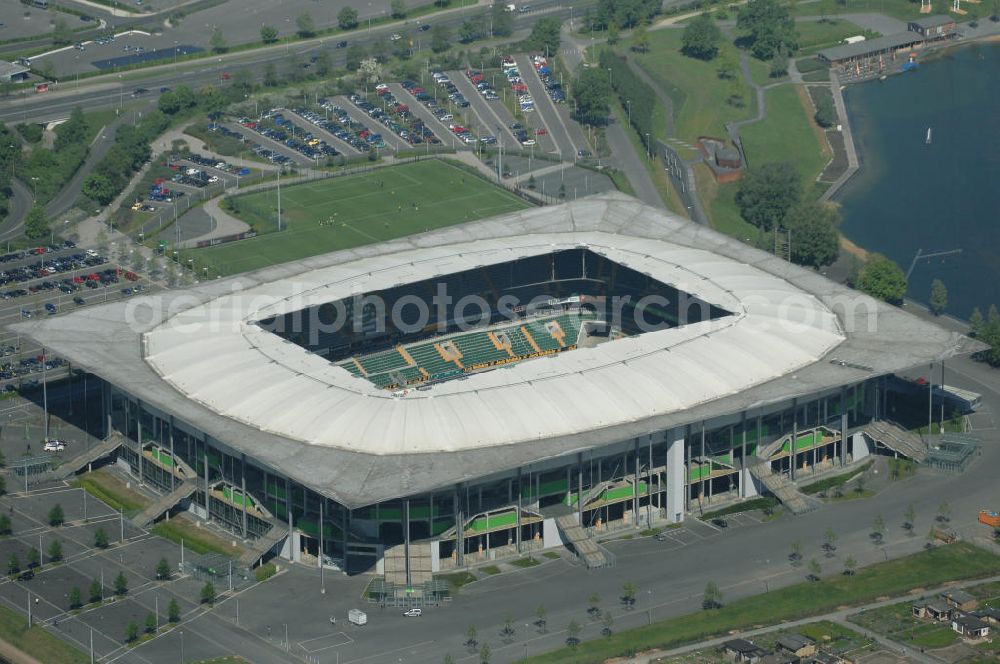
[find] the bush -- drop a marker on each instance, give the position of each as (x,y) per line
(265,572)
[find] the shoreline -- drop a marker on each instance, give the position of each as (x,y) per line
(847,245)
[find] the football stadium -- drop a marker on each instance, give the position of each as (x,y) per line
(481,391)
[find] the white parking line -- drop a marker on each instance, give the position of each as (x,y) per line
(344,640)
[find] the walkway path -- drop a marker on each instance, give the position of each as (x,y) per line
(845,129)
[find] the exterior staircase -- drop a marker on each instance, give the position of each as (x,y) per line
(164,503)
(586,549)
(420,565)
(74,464)
(897,438)
(780,486)
(259,547)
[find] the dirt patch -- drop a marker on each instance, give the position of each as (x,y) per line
(853,249)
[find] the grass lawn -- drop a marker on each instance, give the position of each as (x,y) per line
(36,641)
(720,204)
(901,9)
(815,36)
(195,539)
(656,173)
(525,562)
(551,555)
(699,95)
(788,133)
(834,481)
(107,488)
(895,577)
(355,210)
(457,580)
(745,506)
(490,569)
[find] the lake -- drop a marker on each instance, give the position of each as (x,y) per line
(937,197)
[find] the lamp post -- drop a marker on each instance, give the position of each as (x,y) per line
(628,102)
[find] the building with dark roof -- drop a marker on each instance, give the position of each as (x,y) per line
(938,26)
(960,599)
(970,626)
(887,45)
(11,72)
(797,644)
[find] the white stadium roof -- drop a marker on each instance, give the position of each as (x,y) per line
(198,354)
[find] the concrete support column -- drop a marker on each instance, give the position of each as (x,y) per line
(288,509)
(106,404)
(676,471)
(701,471)
(743,456)
(459,528)
(579,487)
(635,484)
(795,434)
(517,533)
(138,434)
(687,468)
(322,537)
(406,540)
(843,426)
(171,440)
(208,511)
(243,489)
(344,524)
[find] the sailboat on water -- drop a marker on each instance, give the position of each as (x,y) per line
(928,139)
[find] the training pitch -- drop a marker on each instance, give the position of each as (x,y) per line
(339,213)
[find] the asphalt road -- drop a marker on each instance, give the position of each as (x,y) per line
(114,89)
(18,206)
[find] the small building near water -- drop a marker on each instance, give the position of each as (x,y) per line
(934,27)
(887,46)
(12,73)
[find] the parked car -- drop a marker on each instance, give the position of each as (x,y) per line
(413,613)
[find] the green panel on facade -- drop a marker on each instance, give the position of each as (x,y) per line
(698,473)
(545,488)
(275,489)
(441,525)
(494,521)
(309,528)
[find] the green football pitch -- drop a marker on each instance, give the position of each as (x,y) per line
(339,213)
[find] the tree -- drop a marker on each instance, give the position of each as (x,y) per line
(485,653)
(591,97)
(830,541)
(814,570)
(355,54)
(767,193)
(121,584)
(324,63)
(878,528)
(34,558)
(101,539)
(701,38)
(628,594)
(850,564)
(36,225)
(608,621)
(503,20)
(173,611)
(727,67)
(218,41)
(909,518)
(976,323)
(150,623)
(813,229)
(13,564)
(796,554)
(5,528)
(767,27)
(398,8)
(640,40)
(712,598)
(305,24)
(573,634)
(208,593)
(448,659)
(440,38)
(163,569)
(270,75)
(779,64)
(55,551)
(468,32)
(944,512)
(56,516)
(826,114)
(131,632)
(939,297)
(347,18)
(268,34)
(995,11)
(97,187)
(544,37)
(859,485)
(74,598)
(613,36)
(508,628)
(594,605)
(61,34)
(96,591)
(471,637)
(540,617)
(883,279)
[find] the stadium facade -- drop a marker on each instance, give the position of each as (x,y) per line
(625,368)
